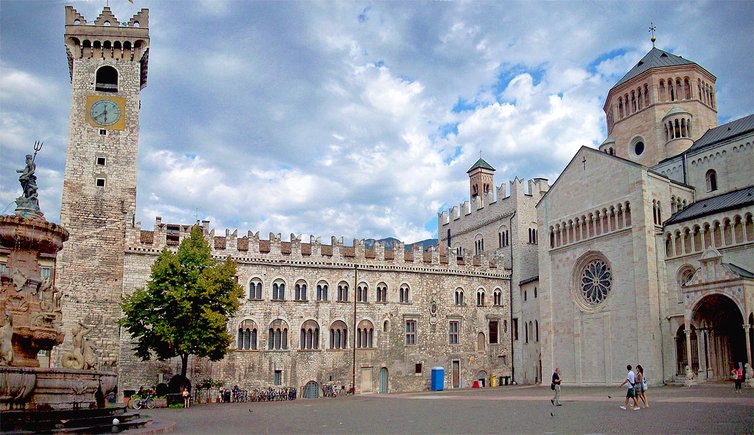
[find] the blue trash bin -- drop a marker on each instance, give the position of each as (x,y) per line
(437,380)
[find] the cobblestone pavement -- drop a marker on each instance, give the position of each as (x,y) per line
(512,409)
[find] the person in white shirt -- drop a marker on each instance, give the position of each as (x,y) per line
(630,382)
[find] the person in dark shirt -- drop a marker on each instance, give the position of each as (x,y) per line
(556,386)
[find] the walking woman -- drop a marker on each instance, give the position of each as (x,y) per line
(641,385)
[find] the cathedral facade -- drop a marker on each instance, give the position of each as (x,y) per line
(640,252)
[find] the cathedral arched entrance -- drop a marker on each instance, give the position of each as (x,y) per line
(713,338)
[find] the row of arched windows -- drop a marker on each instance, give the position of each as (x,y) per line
(309,338)
(718,233)
(300,292)
(633,101)
(497,297)
(105,49)
(670,89)
(676,204)
(593,224)
(677,128)
(675,89)
(706,93)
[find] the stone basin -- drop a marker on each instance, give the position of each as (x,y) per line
(35,234)
(52,388)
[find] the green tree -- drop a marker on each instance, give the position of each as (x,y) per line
(185,306)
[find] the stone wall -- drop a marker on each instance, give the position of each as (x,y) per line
(430,278)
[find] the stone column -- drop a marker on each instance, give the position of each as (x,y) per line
(748,343)
(687,331)
(702,350)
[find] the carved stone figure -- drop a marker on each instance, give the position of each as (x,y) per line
(82,356)
(29,185)
(689,376)
(748,374)
(6,340)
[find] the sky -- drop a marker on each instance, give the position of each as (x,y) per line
(352,118)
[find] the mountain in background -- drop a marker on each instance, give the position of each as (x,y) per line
(391,241)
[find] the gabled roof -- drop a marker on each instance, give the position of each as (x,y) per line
(481,164)
(725,131)
(655,58)
(716,204)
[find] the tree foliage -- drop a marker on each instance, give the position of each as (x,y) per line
(185,306)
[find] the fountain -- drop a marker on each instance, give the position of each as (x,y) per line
(31,321)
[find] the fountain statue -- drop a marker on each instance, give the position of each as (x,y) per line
(31,317)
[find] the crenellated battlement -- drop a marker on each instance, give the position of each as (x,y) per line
(491,206)
(107,38)
(250,248)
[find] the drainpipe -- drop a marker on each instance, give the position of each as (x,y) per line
(353,334)
(513,366)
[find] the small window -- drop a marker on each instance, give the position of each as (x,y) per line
(102,132)
(493,331)
(278,377)
(639,148)
(514,329)
(711,177)
(418,368)
(453,332)
(410,332)
(100,182)
(100,161)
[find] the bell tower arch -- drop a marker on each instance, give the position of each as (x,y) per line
(107,63)
(481,179)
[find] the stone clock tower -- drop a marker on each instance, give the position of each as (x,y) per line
(107,61)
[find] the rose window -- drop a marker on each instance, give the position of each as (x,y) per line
(595,282)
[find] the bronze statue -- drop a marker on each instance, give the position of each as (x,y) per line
(28,180)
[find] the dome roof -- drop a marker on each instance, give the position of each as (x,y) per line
(655,58)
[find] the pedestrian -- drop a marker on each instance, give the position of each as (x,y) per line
(630,383)
(738,376)
(556,386)
(186,397)
(641,385)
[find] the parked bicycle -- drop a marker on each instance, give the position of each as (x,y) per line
(145,402)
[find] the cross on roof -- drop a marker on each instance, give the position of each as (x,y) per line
(652,29)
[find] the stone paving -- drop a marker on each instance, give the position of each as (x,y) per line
(513,409)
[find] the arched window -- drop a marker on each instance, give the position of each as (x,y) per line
(107,79)
(536,328)
(247,335)
(277,337)
(309,337)
(458,296)
(526,332)
(255,289)
(711,178)
(362,293)
(322,291)
(342,292)
(404,294)
(278,290)
(497,297)
(365,334)
(300,291)
(338,335)
(480,297)
(382,292)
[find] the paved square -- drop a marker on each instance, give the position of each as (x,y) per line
(518,409)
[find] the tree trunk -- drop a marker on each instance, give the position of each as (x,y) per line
(184,363)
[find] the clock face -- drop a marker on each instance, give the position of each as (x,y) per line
(105,112)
